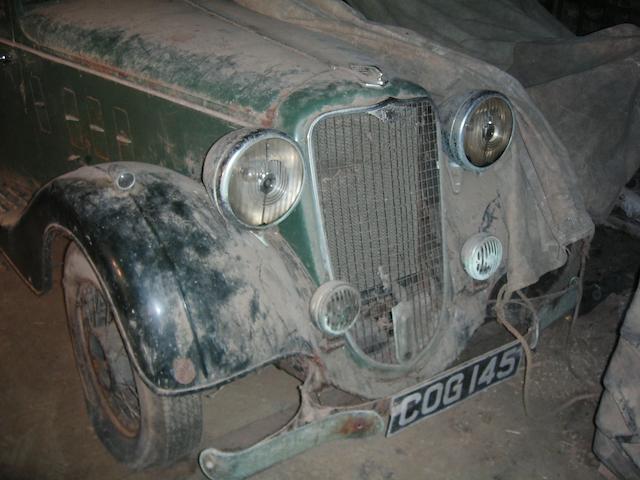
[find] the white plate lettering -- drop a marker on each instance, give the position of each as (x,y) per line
(453,386)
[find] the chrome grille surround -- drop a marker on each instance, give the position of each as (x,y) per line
(376,176)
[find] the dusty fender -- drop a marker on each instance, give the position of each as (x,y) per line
(199,300)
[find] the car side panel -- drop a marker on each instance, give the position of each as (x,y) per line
(78,118)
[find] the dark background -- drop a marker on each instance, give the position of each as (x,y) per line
(587,16)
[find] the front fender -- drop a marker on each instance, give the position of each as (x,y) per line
(199,300)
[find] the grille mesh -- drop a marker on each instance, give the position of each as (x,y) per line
(379,192)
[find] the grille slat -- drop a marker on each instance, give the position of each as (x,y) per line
(379,191)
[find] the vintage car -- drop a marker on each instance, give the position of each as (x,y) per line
(233,199)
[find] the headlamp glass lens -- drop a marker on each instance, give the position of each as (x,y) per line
(487,131)
(265,181)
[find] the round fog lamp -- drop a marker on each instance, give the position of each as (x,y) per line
(335,307)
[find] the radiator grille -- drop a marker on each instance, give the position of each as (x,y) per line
(379,192)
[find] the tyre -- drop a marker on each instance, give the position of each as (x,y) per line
(617,439)
(139,428)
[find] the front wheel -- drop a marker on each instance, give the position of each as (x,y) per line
(140,428)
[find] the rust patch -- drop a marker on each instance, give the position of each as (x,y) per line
(99,66)
(184,371)
(355,426)
(269,117)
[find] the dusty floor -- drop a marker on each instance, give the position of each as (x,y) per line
(45,432)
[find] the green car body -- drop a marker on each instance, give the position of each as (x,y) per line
(94,95)
(90,94)
(106,115)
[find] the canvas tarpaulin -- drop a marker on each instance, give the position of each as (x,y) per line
(576,100)
(587,87)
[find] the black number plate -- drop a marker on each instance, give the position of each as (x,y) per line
(453,386)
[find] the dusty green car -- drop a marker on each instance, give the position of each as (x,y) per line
(233,201)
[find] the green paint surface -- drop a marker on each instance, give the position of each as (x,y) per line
(58,118)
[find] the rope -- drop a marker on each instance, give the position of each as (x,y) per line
(503,298)
(571,328)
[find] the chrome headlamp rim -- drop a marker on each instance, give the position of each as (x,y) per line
(466,109)
(222,157)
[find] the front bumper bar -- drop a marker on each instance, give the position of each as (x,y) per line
(216,464)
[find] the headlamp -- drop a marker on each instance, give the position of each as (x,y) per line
(255,176)
(482,130)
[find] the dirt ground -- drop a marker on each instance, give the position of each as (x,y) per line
(45,432)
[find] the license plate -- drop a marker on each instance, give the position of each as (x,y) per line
(453,386)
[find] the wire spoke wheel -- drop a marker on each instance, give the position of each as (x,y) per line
(138,426)
(108,359)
